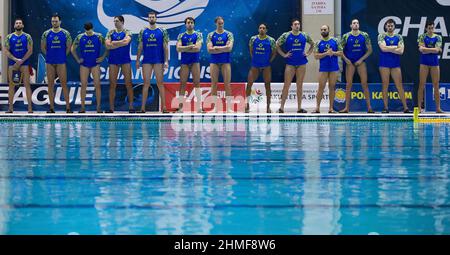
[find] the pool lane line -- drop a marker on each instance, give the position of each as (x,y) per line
(428,119)
(205,117)
(207,178)
(225,206)
(273,148)
(383,160)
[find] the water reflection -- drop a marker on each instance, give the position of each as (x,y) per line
(214,177)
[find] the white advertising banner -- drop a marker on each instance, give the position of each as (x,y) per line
(258,98)
(318,7)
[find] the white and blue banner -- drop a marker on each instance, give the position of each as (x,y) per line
(444,92)
(358,100)
(41,101)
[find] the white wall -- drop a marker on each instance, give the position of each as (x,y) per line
(312,24)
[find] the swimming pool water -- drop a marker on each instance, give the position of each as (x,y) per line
(245,177)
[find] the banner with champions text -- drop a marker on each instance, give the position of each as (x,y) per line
(242,18)
(410,18)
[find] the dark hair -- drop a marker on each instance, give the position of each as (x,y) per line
(218,18)
(56,15)
(390,21)
(153,13)
(16,19)
(294,20)
(189,18)
(88,26)
(429,23)
(120,18)
(267,27)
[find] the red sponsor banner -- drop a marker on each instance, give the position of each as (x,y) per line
(173,89)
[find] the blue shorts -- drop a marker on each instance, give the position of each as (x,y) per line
(389,65)
(26,63)
(89,63)
(329,69)
(190,58)
(119,62)
(297,62)
(221,58)
(355,60)
(260,66)
(429,60)
(152,62)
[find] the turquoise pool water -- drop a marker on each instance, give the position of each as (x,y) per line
(242,177)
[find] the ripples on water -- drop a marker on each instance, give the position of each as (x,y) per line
(234,178)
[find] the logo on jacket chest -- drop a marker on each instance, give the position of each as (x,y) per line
(297,42)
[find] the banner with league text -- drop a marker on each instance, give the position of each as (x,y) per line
(41,101)
(410,17)
(242,18)
(358,100)
(444,92)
